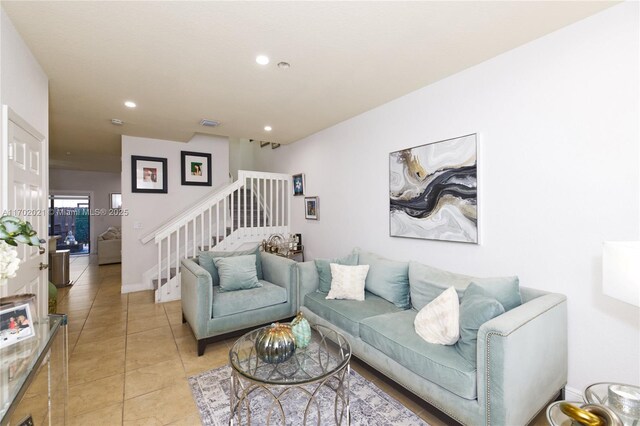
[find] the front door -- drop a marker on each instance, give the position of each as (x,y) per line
(25,194)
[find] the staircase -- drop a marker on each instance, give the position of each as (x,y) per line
(248,210)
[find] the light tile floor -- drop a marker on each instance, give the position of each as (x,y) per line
(130,358)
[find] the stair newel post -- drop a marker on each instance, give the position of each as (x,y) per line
(168,264)
(244,206)
(224,218)
(234,219)
(271,210)
(277,182)
(193,238)
(202,230)
(289,190)
(178,249)
(186,244)
(159,269)
(218,223)
(258,209)
(210,233)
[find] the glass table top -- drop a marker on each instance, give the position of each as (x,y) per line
(327,353)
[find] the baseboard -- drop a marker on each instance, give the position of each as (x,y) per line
(571,394)
(130,288)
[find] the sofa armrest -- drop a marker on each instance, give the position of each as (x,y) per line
(281,271)
(308,278)
(522,360)
(196,289)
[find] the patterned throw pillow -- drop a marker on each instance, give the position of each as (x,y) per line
(347,282)
(439,321)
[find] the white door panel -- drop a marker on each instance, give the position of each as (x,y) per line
(26,191)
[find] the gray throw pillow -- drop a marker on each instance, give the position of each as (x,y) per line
(237,272)
(477,307)
(324,270)
(205,259)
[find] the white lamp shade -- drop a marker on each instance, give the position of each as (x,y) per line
(621,270)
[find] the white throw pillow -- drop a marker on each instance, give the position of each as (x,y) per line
(439,321)
(347,282)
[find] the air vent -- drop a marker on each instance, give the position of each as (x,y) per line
(209,123)
(117,122)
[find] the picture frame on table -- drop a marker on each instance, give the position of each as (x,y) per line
(148,174)
(16,323)
(311,208)
(195,168)
(298,184)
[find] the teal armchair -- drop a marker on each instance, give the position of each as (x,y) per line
(213,314)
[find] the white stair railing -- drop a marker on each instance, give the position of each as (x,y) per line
(250,209)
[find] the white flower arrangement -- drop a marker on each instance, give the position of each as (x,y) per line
(9,261)
(13,230)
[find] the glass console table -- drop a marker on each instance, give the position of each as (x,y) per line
(34,376)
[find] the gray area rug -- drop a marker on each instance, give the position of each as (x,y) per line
(369,404)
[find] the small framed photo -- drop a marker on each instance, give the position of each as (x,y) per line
(115,201)
(196,168)
(15,324)
(148,174)
(298,184)
(311,208)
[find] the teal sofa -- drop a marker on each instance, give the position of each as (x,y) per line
(213,314)
(521,359)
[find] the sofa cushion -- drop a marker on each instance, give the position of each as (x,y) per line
(205,259)
(387,278)
(347,314)
(234,302)
(477,307)
(428,282)
(324,270)
(237,272)
(442,365)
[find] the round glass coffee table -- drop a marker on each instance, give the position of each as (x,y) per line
(297,391)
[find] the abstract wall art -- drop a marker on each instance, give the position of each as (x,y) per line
(433,191)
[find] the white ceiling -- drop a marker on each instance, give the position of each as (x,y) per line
(183,61)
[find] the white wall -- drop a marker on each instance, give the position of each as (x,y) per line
(242,155)
(100,185)
(24,87)
(558,126)
(152,210)
(23,84)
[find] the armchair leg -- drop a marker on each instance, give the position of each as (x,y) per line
(201,345)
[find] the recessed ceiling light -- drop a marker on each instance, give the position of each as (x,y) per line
(284,65)
(267,128)
(262,59)
(130,104)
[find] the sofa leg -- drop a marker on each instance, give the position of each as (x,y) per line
(562,396)
(201,345)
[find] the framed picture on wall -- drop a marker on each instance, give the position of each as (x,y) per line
(148,174)
(196,168)
(298,184)
(311,208)
(115,201)
(433,191)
